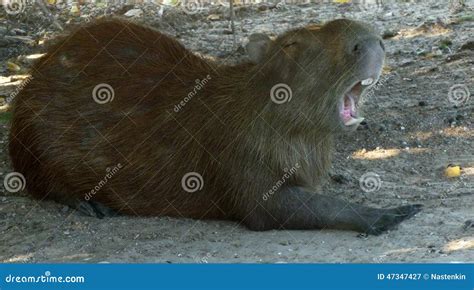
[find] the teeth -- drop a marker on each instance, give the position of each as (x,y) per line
(354,121)
(351,99)
(367,82)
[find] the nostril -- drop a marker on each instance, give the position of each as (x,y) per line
(381,45)
(356,48)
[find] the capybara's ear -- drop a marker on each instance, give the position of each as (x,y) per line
(257,46)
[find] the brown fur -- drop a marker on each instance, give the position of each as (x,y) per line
(230,132)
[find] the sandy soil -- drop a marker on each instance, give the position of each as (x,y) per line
(413,131)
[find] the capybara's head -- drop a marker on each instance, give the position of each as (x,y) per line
(327,68)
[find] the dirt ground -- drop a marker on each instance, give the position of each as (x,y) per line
(417,122)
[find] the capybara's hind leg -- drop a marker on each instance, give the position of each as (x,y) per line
(295,208)
(96,209)
(91,208)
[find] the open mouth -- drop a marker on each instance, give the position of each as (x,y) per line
(348,107)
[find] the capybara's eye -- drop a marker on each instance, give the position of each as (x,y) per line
(288,44)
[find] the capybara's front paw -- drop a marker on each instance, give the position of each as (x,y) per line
(385,219)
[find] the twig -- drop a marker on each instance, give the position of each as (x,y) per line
(232,24)
(19,38)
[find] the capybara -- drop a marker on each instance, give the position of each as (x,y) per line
(120,118)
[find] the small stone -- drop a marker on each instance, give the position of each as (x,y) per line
(468,224)
(468,45)
(421,103)
(18,31)
(406,62)
(213,17)
(445,42)
(134,13)
(363,126)
(421,52)
(389,34)
(363,236)
(339,178)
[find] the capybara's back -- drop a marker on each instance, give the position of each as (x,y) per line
(97,121)
(120,116)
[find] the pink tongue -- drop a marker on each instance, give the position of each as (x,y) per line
(346,114)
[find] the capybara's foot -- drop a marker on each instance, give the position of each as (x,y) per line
(94,209)
(385,219)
